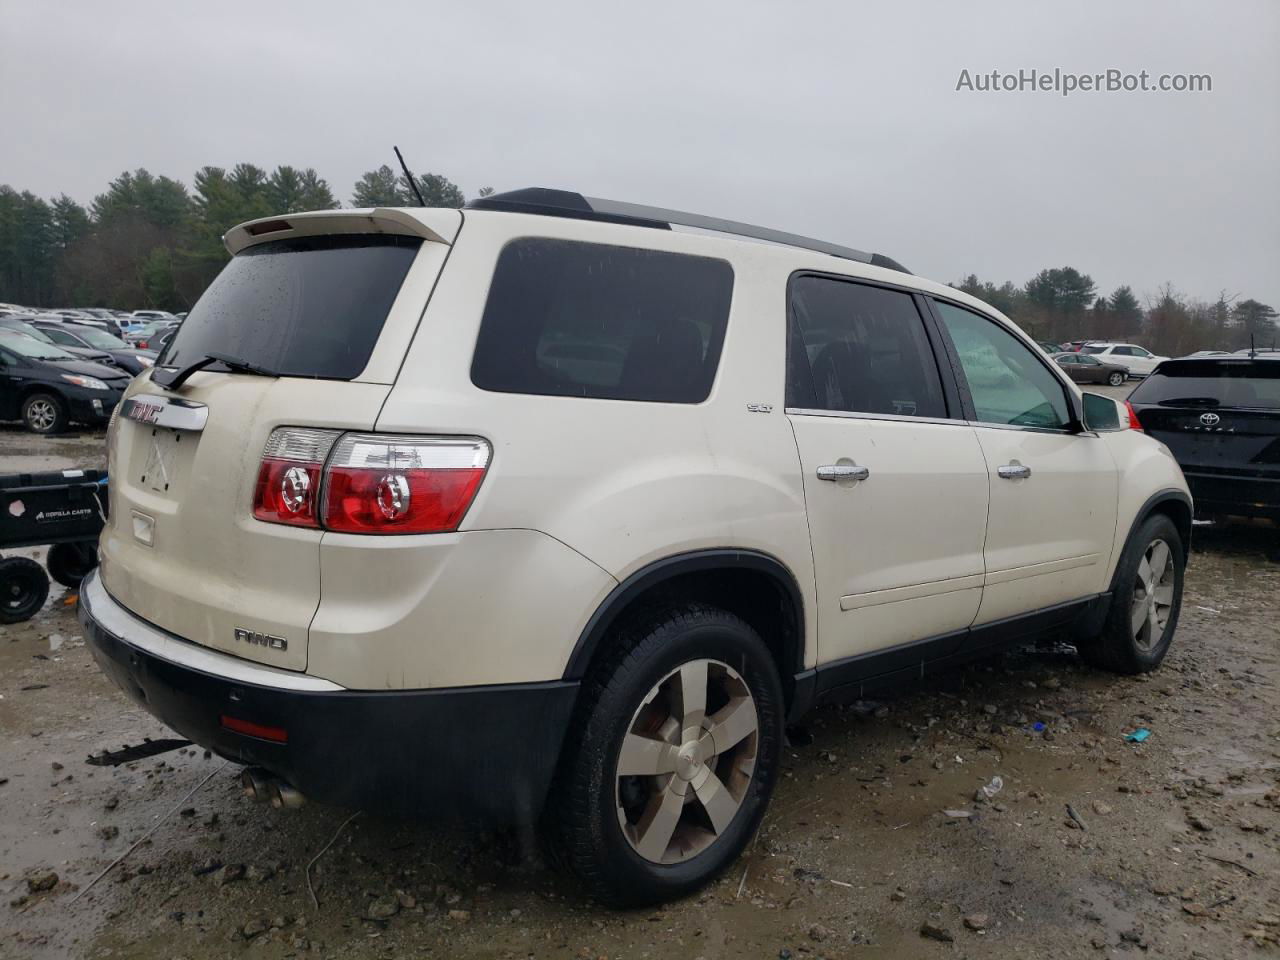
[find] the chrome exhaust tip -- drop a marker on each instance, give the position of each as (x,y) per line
(255,783)
(285,797)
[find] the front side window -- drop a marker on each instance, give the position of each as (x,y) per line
(571,319)
(859,349)
(1008,383)
(59,336)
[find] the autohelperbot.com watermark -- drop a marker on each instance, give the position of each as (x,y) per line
(1066,82)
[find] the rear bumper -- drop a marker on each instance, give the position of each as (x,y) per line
(476,752)
(1218,494)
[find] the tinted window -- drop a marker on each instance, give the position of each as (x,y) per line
(573,319)
(1093,349)
(306,307)
(1213,383)
(59,336)
(1007,381)
(859,349)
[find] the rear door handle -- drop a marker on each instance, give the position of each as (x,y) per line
(1014,471)
(843,471)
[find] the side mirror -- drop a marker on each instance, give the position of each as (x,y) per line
(1102,414)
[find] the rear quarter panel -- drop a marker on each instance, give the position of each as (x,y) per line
(622,483)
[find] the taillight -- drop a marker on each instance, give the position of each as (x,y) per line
(1134,422)
(288,487)
(379,483)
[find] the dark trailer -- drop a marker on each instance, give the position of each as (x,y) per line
(64,510)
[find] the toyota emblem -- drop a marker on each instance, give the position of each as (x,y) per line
(1210,419)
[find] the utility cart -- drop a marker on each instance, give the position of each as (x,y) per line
(64,510)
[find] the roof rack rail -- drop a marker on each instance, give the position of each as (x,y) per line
(565,203)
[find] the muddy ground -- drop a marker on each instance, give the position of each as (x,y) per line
(1094,847)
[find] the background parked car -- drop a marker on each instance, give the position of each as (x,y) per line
(1139,361)
(73,316)
(128,358)
(47,388)
(148,315)
(142,336)
(1220,416)
(1083,368)
(24,325)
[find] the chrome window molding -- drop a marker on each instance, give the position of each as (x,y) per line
(891,417)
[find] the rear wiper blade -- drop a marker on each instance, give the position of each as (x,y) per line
(175,380)
(241,366)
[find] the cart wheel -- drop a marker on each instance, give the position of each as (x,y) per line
(69,563)
(23,589)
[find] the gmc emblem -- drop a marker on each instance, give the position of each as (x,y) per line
(261,639)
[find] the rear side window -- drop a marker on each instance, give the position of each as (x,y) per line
(1213,383)
(571,319)
(303,307)
(859,349)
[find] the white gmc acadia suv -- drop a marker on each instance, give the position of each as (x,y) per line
(552,508)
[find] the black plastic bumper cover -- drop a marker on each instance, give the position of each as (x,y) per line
(471,752)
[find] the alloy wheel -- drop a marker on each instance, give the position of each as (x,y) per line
(686,761)
(41,414)
(1152,595)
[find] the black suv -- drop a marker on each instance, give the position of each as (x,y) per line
(1220,416)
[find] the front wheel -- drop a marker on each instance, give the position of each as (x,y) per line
(44,413)
(24,586)
(681,733)
(1146,599)
(1116,379)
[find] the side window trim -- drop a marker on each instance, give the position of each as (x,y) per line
(955,412)
(1076,426)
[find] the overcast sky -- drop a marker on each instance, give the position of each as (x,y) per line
(838,120)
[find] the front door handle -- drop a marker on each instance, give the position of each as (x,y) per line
(1014,471)
(843,471)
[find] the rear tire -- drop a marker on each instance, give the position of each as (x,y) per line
(44,413)
(1146,598)
(24,587)
(689,806)
(69,563)
(1116,379)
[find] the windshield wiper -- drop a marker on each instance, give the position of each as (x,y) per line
(175,380)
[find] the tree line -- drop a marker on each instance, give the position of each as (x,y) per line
(152,241)
(1061,304)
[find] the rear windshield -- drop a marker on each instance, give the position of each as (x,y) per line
(573,319)
(1214,383)
(304,307)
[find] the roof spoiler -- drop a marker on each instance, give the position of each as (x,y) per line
(436,224)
